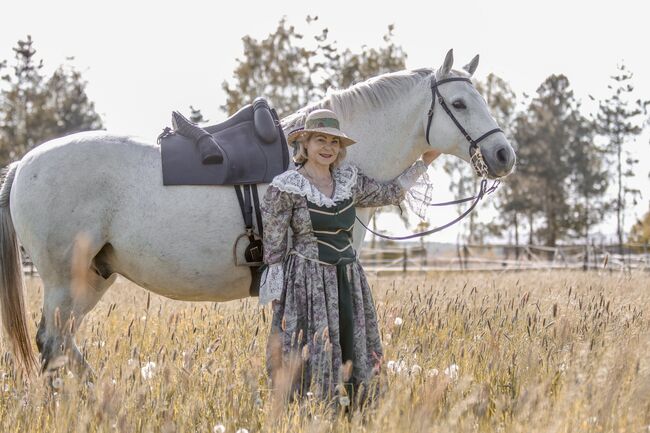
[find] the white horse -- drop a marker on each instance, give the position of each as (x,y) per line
(177,241)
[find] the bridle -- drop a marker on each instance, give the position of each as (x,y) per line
(476,159)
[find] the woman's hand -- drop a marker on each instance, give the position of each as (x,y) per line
(429,156)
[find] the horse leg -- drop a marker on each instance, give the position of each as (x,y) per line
(66,301)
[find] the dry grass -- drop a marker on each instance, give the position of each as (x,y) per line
(538,351)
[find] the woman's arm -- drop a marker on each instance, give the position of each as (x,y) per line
(277,208)
(372,193)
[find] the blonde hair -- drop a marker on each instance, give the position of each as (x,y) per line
(301,154)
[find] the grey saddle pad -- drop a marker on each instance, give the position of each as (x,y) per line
(252,142)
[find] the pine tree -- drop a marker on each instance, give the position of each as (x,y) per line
(35,108)
(546,135)
(619,120)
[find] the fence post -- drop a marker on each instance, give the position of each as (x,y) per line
(405,259)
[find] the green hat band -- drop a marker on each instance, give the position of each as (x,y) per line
(325,122)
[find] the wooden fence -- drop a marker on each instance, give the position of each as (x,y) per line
(507,258)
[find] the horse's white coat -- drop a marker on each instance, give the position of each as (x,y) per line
(177,241)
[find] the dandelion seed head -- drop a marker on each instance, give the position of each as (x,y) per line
(148,371)
(57,383)
(452,371)
(398,321)
(219,428)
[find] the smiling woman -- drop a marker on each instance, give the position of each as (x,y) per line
(323,311)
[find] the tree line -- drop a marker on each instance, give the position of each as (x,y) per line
(568,162)
(35,107)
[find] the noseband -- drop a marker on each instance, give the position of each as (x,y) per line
(475,154)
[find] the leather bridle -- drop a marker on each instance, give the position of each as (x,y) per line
(474,150)
(476,158)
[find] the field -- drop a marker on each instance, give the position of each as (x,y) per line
(516,352)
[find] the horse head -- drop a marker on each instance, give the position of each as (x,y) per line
(459,122)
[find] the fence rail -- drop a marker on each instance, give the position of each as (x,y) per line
(507,258)
(492,258)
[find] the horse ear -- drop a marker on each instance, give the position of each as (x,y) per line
(447,64)
(471,66)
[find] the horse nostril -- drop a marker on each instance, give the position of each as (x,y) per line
(502,156)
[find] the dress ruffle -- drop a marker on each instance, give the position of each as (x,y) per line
(272,282)
(345,177)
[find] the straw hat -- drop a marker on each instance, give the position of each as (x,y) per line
(323,121)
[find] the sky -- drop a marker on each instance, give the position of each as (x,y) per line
(144,59)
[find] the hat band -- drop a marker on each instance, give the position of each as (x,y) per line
(325,122)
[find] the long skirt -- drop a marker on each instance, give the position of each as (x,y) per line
(305,353)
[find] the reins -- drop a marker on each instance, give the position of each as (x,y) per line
(484,190)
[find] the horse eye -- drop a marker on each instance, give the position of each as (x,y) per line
(459,104)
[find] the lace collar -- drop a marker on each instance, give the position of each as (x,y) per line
(345,177)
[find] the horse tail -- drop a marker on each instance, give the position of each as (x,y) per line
(12,303)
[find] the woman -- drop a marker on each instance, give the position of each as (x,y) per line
(324,333)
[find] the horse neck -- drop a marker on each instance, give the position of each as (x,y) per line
(389,138)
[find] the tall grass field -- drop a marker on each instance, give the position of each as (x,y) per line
(526,352)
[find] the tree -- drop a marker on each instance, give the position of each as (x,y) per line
(196,116)
(588,180)
(618,121)
(501,101)
(34,108)
(640,232)
(292,71)
(546,136)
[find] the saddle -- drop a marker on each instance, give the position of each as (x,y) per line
(248,148)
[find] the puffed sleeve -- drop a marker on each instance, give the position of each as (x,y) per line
(372,193)
(277,209)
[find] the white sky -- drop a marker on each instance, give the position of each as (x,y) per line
(145,59)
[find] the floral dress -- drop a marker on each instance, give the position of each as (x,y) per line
(324,330)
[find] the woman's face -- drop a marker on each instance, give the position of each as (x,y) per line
(322,149)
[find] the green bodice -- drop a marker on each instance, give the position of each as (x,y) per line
(332,227)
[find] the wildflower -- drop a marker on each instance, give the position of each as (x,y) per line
(148,370)
(433,372)
(344,400)
(242,430)
(416,370)
(398,321)
(57,383)
(219,428)
(397,367)
(452,371)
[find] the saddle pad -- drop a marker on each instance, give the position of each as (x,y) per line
(253,144)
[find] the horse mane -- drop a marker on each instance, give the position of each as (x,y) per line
(372,93)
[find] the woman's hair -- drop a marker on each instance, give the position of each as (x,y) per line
(301,155)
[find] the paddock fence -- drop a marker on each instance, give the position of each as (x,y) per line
(502,257)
